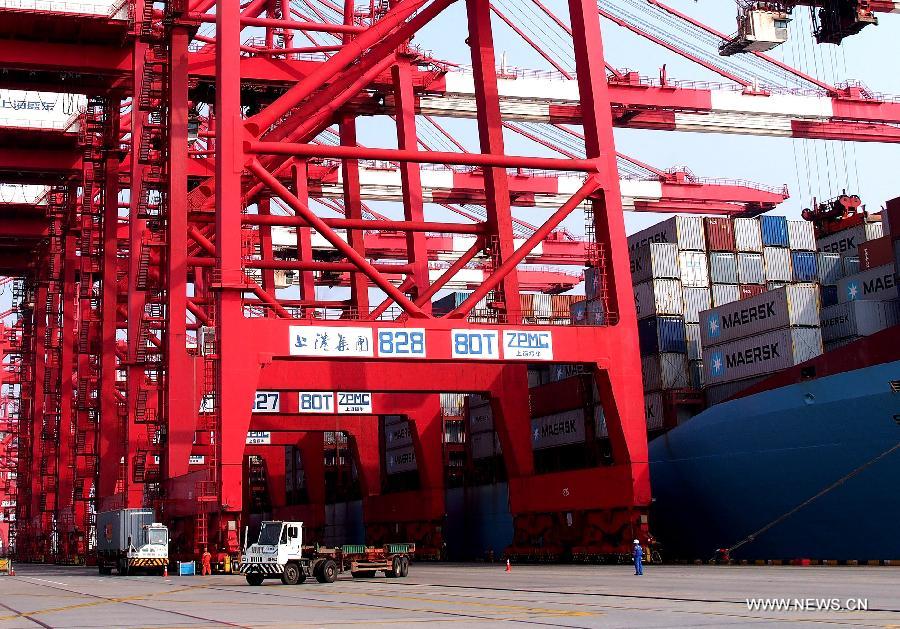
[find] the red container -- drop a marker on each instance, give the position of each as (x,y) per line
(873,253)
(559,396)
(893,218)
(751,290)
(719,234)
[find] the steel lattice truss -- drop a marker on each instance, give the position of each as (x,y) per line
(208,226)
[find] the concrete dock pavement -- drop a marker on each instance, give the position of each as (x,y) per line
(459,596)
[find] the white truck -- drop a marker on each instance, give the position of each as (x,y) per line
(130,540)
(279,553)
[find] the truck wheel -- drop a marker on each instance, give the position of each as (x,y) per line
(404,570)
(363,574)
(291,575)
(396,569)
(327,572)
(255,579)
(104,570)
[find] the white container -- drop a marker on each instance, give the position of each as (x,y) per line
(718,393)
(747,235)
(658,297)
(654,410)
(761,355)
(693,340)
(684,231)
(801,236)
(542,306)
(751,268)
(794,305)
(694,269)
(654,261)
(696,300)
(723,294)
(845,242)
(830,269)
(481,417)
(879,284)
(558,429)
(723,268)
(778,264)
(665,371)
(858,318)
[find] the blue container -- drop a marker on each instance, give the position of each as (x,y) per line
(774,231)
(449,303)
(187,568)
(658,335)
(829,295)
(806,268)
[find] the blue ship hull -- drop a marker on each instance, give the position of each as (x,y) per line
(742,464)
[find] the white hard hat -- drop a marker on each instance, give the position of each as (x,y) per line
(637,542)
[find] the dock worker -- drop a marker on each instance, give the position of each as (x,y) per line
(638,554)
(205,560)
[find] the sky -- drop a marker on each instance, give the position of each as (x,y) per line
(811,168)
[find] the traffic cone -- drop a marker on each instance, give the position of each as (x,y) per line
(12,569)
(508,566)
(166,571)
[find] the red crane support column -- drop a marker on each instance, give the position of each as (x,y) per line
(490,131)
(180,412)
(359,285)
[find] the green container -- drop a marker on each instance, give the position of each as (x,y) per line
(354,549)
(397,549)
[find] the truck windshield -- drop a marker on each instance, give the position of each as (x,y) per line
(269,533)
(157,537)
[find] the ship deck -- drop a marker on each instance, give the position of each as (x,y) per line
(451,595)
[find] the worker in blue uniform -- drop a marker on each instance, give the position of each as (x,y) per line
(638,554)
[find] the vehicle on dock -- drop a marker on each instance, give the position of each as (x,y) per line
(279,552)
(130,540)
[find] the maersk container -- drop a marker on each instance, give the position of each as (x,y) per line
(663,372)
(723,268)
(804,265)
(558,429)
(761,355)
(654,261)
(850,265)
(725,294)
(751,268)
(587,312)
(658,297)
(122,528)
(696,369)
(828,295)
(654,409)
(751,290)
(718,393)
(661,334)
(400,460)
(858,318)
(593,283)
(793,305)
(879,284)
(719,234)
(696,300)
(801,236)
(693,342)
(484,445)
(694,269)
(846,242)
(747,235)
(774,231)
(874,253)
(778,264)
(686,232)
(831,270)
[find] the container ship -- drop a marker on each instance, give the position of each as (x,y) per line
(797,455)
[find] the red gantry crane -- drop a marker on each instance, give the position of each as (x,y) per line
(207,261)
